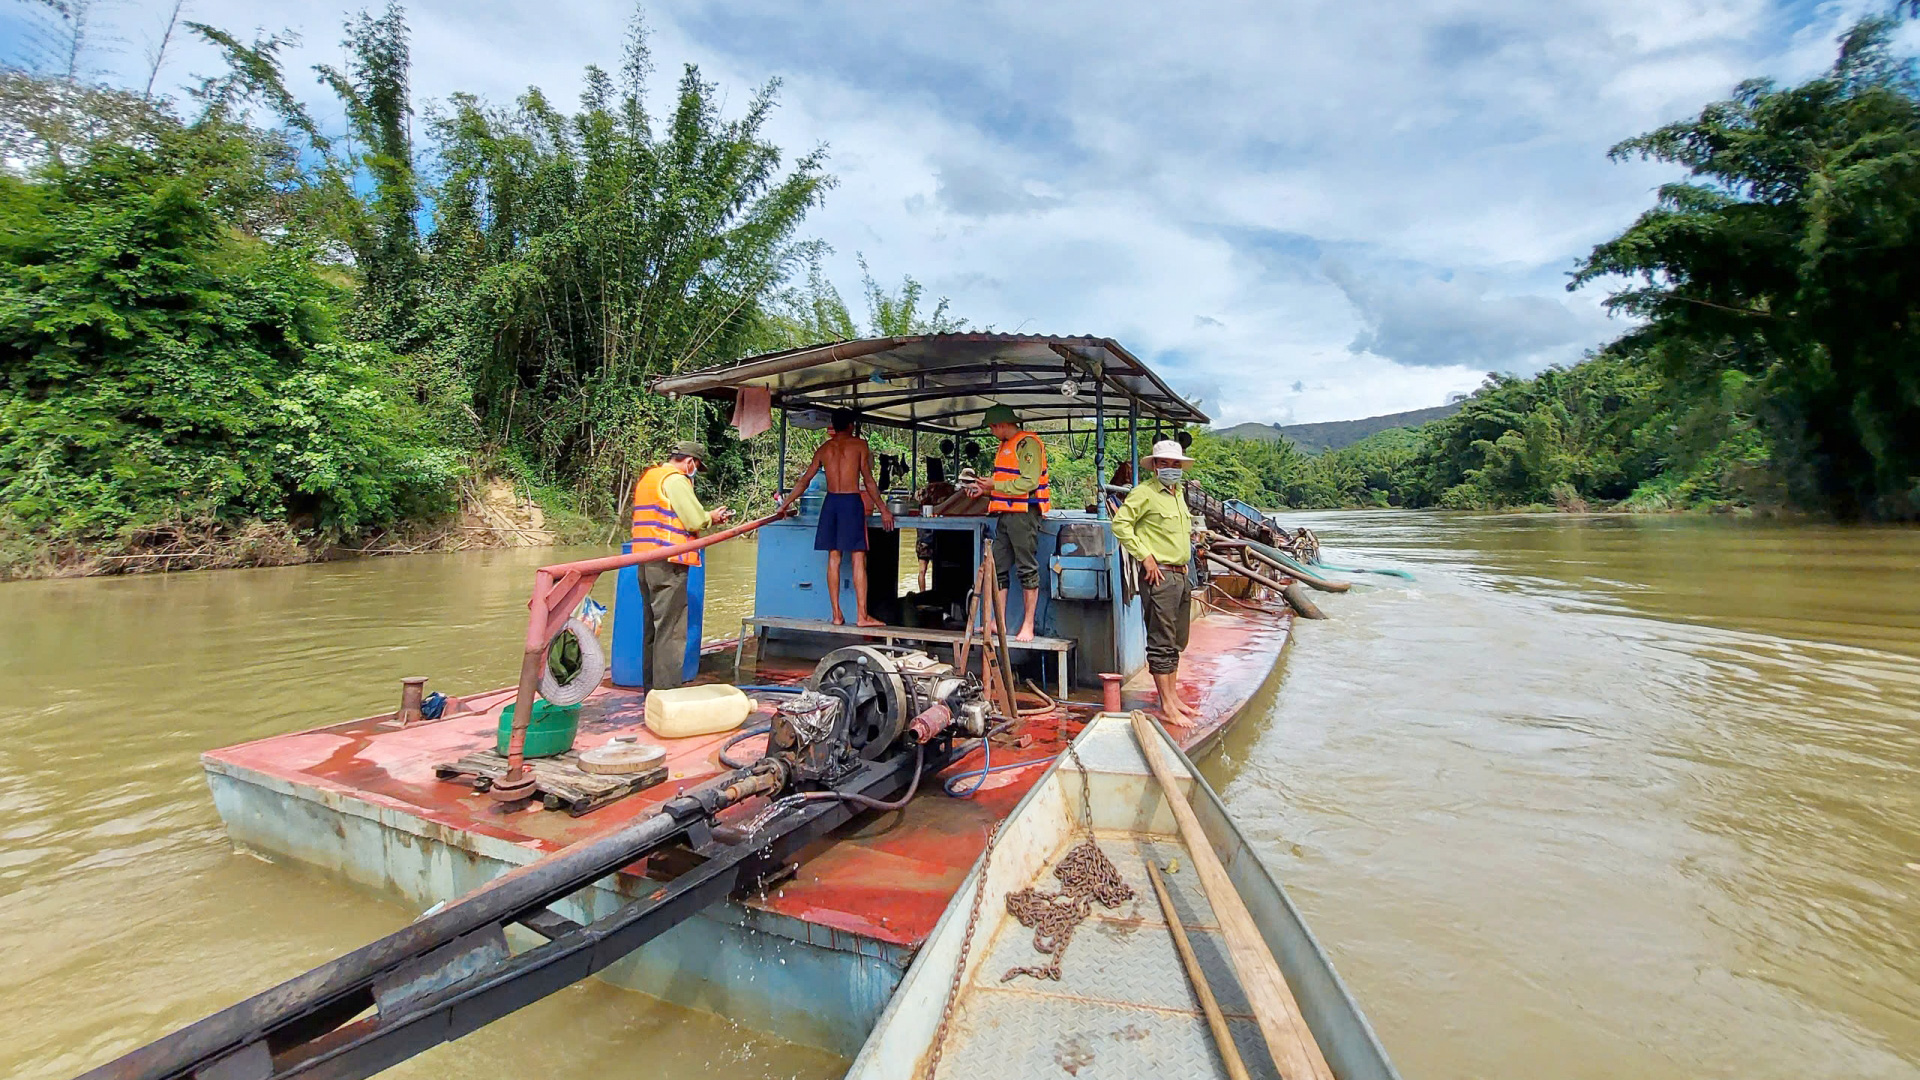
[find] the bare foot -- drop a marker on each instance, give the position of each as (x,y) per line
(839,619)
(1025,634)
(1176,716)
(868,620)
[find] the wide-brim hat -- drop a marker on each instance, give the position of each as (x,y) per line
(1168,450)
(689,448)
(1001,414)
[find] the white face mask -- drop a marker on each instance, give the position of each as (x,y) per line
(1169,474)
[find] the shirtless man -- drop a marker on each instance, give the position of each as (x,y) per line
(851,496)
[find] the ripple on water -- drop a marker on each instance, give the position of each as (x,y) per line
(1608,796)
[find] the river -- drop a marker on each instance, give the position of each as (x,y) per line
(1590,797)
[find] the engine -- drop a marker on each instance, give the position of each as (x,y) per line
(863,701)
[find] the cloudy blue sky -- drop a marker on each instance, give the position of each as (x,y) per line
(1299,212)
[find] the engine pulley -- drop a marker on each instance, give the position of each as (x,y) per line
(878,699)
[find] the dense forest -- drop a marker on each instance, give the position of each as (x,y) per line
(1776,360)
(226,326)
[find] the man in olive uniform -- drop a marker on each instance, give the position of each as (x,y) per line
(1154,527)
(1017,497)
(666,513)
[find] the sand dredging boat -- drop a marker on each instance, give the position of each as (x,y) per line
(784,872)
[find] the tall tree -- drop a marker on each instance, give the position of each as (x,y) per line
(575,257)
(374,88)
(1792,258)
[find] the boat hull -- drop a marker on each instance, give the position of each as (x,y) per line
(1122,1005)
(815,961)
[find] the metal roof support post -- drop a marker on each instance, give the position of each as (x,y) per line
(1100,444)
(1133,440)
(780,484)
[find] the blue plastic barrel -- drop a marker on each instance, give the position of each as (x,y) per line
(630,635)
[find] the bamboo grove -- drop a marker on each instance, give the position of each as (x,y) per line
(218,311)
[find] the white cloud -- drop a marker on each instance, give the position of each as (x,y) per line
(1243,192)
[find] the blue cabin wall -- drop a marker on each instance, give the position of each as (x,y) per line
(1075,548)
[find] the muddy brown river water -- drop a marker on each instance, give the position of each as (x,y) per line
(1601,797)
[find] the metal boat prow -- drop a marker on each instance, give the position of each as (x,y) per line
(1123,1006)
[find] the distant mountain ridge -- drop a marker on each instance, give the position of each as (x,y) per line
(1336,434)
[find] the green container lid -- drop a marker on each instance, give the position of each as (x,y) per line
(551,731)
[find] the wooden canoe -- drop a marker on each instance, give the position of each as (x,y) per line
(1123,1006)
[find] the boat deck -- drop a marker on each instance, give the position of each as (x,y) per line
(361,799)
(1122,1006)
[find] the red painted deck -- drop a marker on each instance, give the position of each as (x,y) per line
(889,878)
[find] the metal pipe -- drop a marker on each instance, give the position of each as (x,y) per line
(520,890)
(557,590)
(1133,438)
(1295,570)
(1100,443)
(1257,579)
(781,487)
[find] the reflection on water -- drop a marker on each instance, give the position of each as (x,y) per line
(1600,797)
(1608,797)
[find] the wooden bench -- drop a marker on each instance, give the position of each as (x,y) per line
(1060,647)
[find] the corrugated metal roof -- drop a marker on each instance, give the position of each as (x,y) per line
(947,381)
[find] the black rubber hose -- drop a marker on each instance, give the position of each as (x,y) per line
(740,737)
(871,803)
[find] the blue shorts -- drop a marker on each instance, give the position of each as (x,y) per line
(843,523)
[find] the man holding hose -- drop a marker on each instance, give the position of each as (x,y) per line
(1154,527)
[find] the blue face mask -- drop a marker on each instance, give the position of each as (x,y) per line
(1169,475)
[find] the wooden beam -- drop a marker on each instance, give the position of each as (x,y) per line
(1288,1039)
(1216,1021)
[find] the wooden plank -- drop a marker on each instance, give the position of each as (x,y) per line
(1216,1022)
(1274,1007)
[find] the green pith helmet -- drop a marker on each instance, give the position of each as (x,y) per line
(689,448)
(1001,414)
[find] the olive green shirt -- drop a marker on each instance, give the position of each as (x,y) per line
(1154,522)
(1026,454)
(678,489)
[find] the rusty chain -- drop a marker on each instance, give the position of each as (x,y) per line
(1085,874)
(960,965)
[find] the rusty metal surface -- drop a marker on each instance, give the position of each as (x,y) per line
(888,880)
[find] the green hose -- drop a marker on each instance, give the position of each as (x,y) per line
(1361,570)
(1293,567)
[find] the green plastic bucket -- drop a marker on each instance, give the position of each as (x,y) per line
(550,733)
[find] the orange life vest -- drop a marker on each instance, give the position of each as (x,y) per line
(654,522)
(1006,466)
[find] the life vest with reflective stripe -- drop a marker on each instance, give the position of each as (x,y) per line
(654,522)
(1006,466)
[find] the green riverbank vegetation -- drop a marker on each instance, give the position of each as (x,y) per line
(1776,360)
(237,326)
(232,334)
